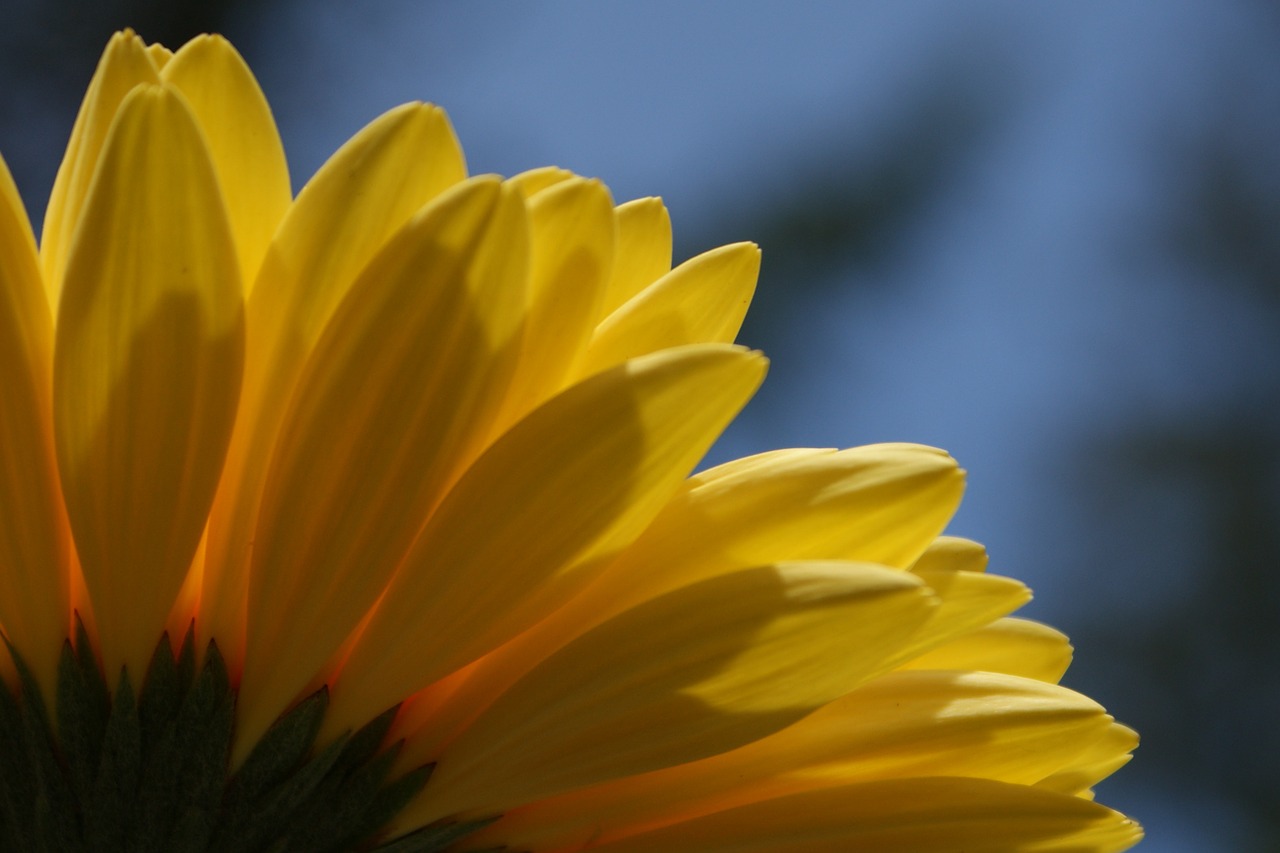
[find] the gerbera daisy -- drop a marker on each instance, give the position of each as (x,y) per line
(366,518)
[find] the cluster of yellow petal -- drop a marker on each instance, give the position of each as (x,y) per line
(427,439)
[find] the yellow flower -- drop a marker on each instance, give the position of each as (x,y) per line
(406,460)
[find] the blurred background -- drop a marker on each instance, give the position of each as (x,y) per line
(1045,236)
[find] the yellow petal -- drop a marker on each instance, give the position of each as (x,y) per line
(399,387)
(940,815)
(34,583)
(704,300)
(1012,646)
(536,180)
(160,55)
(952,554)
(125,63)
(643,250)
(696,672)
(969,601)
(594,463)
(571,228)
(1102,758)
(879,504)
(898,725)
(365,193)
(146,368)
(242,139)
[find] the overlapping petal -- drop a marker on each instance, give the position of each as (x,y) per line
(243,143)
(409,371)
(693,673)
(146,377)
(911,725)
(419,447)
(939,815)
(353,205)
(125,63)
(35,585)
(703,299)
(587,470)
(880,504)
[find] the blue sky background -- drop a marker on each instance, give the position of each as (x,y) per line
(1039,235)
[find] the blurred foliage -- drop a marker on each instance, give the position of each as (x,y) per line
(1198,674)
(847,219)
(1202,680)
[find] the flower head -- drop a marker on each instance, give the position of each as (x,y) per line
(368,514)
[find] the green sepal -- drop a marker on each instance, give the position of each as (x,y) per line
(391,798)
(83,706)
(54,816)
(147,770)
(183,778)
(282,749)
(163,690)
(263,800)
(366,742)
(17,778)
(333,816)
(109,808)
(436,837)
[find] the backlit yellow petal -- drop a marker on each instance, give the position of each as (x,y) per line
(147,368)
(704,300)
(952,554)
(969,601)
(160,55)
(594,463)
(643,250)
(413,452)
(536,180)
(703,669)
(879,504)
(34,578)
(398,389)
(125,63)
(571,230)
(901,725)
(1099,760)
(242,139)
(942,815)
(1009,645)
(365,193)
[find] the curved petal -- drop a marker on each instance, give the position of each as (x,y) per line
(643,250)
(399,389)
(592,464)
(146,367)
(1102,758)
(879,504)
(952,554)
(536,180)
(899,725)
(969,601)
(361,197)
(242,139)
(571,233)
(125,63)
(693,673)
(704,300)
(940,815)
(1008,645)
(34,582)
